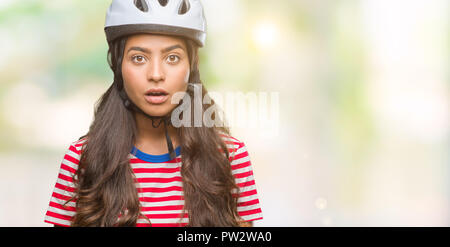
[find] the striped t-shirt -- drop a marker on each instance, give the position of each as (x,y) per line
(159,185)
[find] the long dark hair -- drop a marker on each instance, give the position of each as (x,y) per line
(105,182)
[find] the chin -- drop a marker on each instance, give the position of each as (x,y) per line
(157,110)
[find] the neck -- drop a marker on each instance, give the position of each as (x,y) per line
(153,140)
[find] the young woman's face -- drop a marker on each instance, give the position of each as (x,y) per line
(153,64)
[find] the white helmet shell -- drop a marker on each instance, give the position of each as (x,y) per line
(124,17)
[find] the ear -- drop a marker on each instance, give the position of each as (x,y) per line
(123,95)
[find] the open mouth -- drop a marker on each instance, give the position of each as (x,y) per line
(156,96)
(156,92)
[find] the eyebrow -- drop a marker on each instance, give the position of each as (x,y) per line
(137,48)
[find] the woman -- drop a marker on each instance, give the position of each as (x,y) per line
(207,180)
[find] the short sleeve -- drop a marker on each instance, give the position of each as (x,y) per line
(248,202)
(59,212)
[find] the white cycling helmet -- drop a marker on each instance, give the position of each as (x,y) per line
(174,17)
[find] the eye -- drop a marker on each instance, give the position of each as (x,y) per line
(138,59)
(173,58)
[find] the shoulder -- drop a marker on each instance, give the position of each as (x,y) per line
(236,148)
(232,142)
(78,144)
(73,154)
(228,139)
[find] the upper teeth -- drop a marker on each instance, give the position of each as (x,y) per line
(156,93)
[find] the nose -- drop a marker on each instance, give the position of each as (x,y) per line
(156,71)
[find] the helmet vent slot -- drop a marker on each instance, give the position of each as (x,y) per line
(141,5)
(163,2)
(184,7)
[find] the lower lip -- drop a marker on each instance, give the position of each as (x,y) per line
(156,99)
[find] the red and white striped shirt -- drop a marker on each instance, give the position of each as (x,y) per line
(159,186)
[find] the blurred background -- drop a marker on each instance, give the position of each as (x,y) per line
(363,85)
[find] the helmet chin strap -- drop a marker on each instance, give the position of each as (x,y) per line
(166,119)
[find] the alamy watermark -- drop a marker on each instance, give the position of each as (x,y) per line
(255,110)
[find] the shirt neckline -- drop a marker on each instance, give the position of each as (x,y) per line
(153,158)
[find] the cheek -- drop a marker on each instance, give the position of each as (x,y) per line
(179,78)
(186,77)
(183,76)
(185,80)
(130,77)
(127,74)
